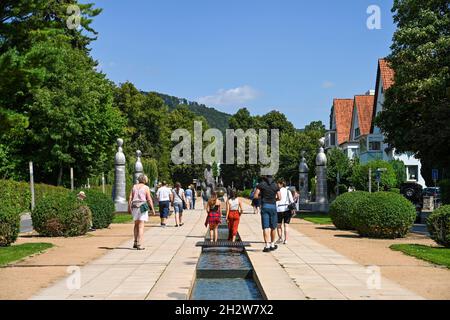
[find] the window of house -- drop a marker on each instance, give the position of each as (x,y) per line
(375,146)
(333,139)
(357,132)
(413,173)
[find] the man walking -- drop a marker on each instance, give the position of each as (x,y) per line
(165,197)
(269,193)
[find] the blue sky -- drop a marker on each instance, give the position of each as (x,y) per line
(294,56)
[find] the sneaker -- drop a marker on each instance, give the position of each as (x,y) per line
(266,249)
(176,226)
(279,241)
(273,248)
(285,242)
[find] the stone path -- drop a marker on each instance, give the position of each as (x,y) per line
(301,270)
(305,269)
(165,270)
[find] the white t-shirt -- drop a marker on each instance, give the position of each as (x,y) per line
(178,196)
(163,194)
(286,199)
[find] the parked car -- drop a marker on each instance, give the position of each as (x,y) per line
(414,193)
(433,192)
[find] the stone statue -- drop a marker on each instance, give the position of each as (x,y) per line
(321,172)
(209,183)
(138,167)
(120,179)
(303,180)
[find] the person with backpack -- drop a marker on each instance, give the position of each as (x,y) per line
(179,204)
(285,207)
(269,192)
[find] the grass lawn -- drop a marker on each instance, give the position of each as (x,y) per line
(315,217)
(122,218)
(440,256)
(15,253)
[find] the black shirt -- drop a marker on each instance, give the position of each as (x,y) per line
(268,192)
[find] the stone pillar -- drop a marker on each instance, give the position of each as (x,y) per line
(138,167)
(120,179)
(303,180)
(321,172)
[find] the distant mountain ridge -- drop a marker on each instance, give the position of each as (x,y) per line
(215,118)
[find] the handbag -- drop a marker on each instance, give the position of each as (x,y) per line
(144,207)
(292,205)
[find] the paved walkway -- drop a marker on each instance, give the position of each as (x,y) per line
(305,269)
(301,270)
(165,270)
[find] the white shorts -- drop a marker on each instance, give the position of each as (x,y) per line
(138,216)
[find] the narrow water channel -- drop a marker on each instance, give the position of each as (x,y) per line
(224,273)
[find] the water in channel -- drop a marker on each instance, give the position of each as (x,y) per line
(224,273)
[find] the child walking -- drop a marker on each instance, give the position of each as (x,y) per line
(214,210)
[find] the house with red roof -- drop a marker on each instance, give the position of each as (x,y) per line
(353,129)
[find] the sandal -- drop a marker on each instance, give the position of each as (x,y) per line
(139,248)
(135,245)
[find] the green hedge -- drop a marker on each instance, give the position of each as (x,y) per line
(384,215)
(395,190)
(245,194)
(18,194)
(343,208)
(9,223)
(59,215)
(102,208)
(439,225)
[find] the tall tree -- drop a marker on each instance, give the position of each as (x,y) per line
(68,106)
(419,101)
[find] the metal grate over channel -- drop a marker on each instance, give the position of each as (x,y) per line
(223,244)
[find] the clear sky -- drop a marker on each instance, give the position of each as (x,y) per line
(294,56)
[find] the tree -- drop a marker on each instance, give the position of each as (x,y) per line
(22,20)
(360,176)
(338,164)
(400,171)
(419,101)
(68,107)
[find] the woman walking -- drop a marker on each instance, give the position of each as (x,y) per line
(256,202)
(188,195)
(234,212)
(139,203)
(284,212)
(179,201)
(214,210)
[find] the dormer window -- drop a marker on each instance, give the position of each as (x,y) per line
(357,132)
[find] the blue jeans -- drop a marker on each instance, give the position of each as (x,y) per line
(178,207)
(164,207)
(269,216)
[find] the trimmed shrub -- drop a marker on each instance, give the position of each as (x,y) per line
(61,215)
(102,208)
(18,194)
(384,215)
(439,226)
(9,224)
(343,208)
(395,190)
